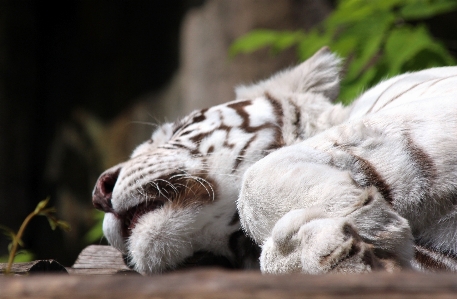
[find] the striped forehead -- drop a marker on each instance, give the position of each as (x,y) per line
(263,111)
(252,113)
(243,116)
(224,115)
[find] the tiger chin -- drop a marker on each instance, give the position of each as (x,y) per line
(174,202)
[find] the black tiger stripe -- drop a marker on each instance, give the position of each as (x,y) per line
(278,141)
(377,100)
(197,138)
(277,108)
(226,143)
(181,125)
(240,156)
(297,120)
(199,118)
(423,162)
(402,93)
(371,177)
(374,178)
(179,145)
(279,114)
(432,260)
(439,80)
(395,97)
(239,107)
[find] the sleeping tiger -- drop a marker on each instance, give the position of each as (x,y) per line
(285,174)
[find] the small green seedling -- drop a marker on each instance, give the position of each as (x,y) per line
(40,210)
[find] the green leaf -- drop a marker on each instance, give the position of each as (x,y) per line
(23,256)
(52,222)
(427,58)
(11,235)
(286,40)
(427,9)
(371,34)
(403,44)
(312,42)
(41,205)
(8,232)
(253,41)
(345,46)
(349,11)
(359,11)
(367,56)
(63,225)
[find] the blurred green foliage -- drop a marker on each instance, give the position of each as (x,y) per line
(378,38)
(16,255)
(21,256)
(95,234)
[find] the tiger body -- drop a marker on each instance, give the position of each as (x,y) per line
(177,194)
(365,193)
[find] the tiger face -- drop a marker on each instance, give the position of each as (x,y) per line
(176,196)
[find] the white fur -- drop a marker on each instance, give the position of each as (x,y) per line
(223,156)
(319,173)
(300,199)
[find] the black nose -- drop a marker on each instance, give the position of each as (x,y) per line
(103,191)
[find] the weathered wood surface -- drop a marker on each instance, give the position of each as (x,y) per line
(216,283)
(35,267)
(93,260)
(99,260)
(232,284)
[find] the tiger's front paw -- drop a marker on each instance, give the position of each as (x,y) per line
(301,241)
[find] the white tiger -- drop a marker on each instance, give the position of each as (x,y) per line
(355,197)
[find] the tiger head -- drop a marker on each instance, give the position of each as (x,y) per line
(176,196)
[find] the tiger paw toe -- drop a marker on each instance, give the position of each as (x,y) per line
(316,246)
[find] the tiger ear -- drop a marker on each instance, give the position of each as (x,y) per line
(318,74)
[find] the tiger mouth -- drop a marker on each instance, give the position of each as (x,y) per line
(130,218)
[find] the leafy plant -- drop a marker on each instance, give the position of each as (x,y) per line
(378,38)
(40,210)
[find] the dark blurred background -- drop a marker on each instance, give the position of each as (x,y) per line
(80,80)
(58,56)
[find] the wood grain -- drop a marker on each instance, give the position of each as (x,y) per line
(39,266)
(232,284)
(92,277)
(100,260)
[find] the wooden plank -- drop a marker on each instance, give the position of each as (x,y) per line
(233,284)
(93,260)
(215,283)
(39,266)
(100,260)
